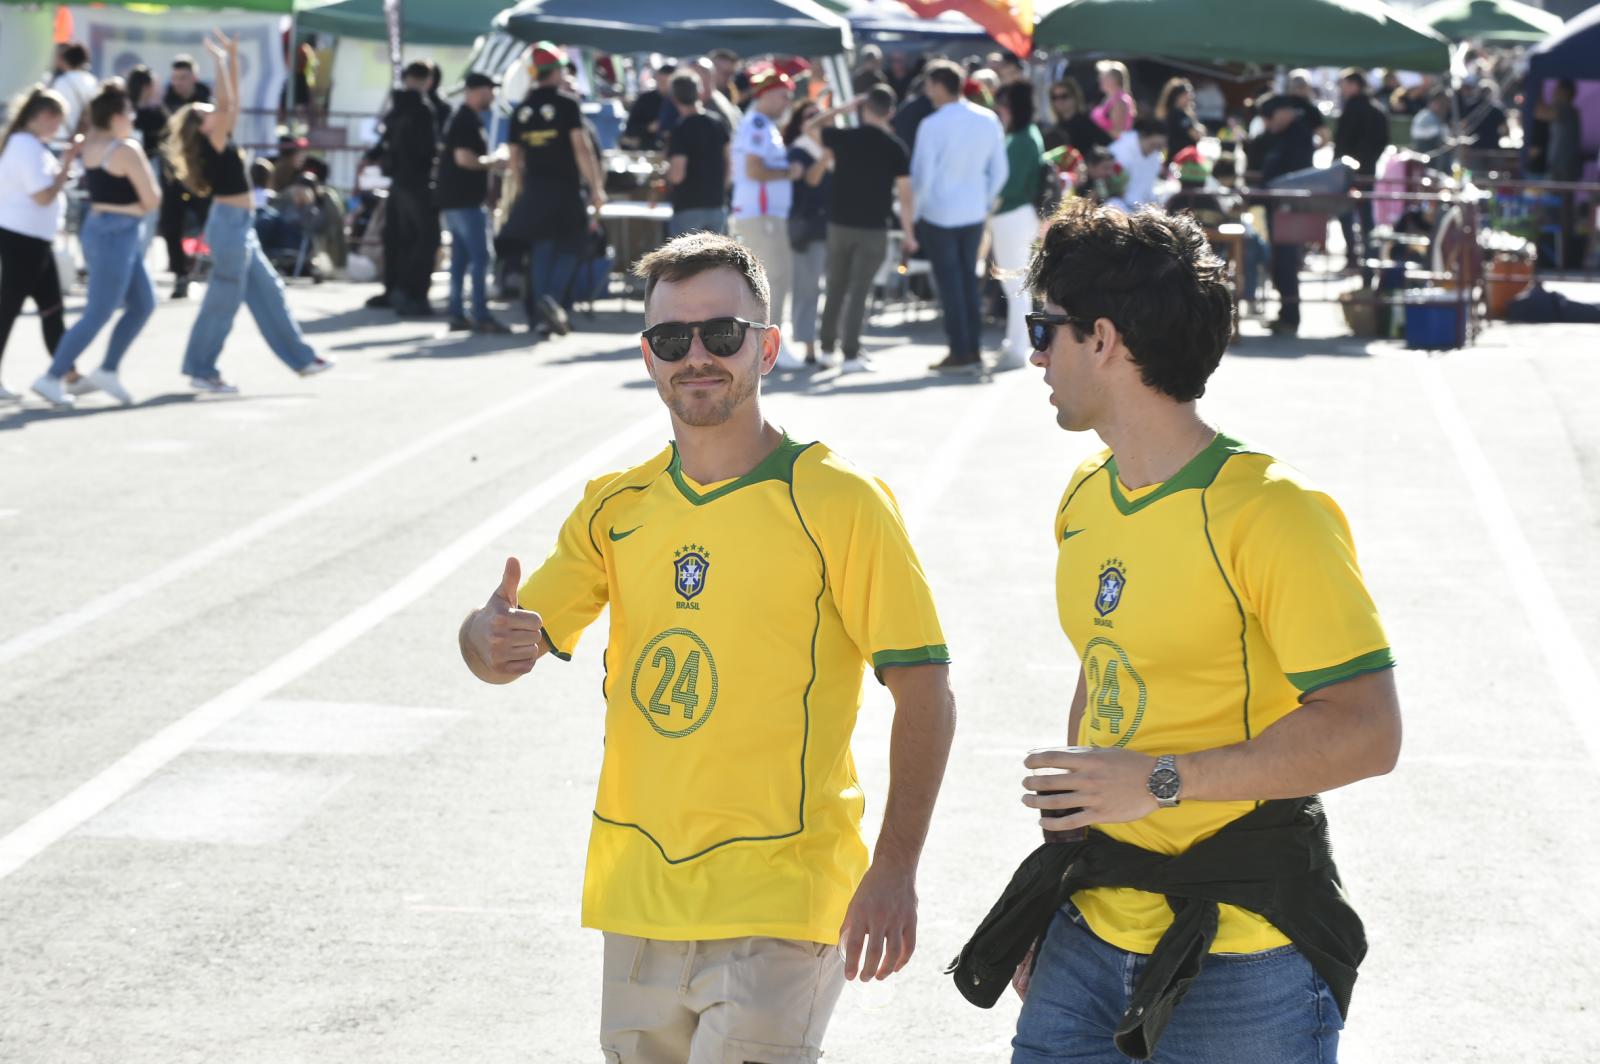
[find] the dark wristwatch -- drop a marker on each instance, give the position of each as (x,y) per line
(1165,784)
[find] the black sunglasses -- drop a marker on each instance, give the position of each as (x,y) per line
(1042,327)
(670,340)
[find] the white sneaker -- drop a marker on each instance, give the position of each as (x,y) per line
(106,380)
(787,360)
(213,386)
(53,391)
(827,360)
(859,364)
(82,386)
(321,365)
(8,396)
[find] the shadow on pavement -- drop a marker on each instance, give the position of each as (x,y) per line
(347,319)
(1300,347)
(27,415)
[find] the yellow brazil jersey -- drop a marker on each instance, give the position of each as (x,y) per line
(1202,610)
(743,616)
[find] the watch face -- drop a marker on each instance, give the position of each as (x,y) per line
(1164,784)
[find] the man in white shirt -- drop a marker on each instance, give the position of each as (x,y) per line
(763,190)
(75,83)
(957,169)
(1139,152)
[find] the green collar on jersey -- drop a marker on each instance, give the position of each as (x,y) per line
(1199,473)
(779,465)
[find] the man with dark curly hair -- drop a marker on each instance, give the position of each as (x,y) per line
(1232,666)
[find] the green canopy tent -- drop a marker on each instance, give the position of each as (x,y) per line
(1269,32)
(433,22)
(682,27)
(1491,21)
(270,7)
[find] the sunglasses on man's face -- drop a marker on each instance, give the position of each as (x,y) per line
(670,340)
(1042,327)
(1059,96)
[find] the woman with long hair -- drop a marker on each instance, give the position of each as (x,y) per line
(1115,113)
(1073,127)
(1015,223)
(808,223)
(1176,109)
(32,210)
(122,192)
(204,158)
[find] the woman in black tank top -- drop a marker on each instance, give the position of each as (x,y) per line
(202,153)
(122,193)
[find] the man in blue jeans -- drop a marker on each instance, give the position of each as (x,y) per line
(462,194)
(1233,666)
(553,158)
(957,169)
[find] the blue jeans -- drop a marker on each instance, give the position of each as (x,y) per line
(469,250)
(1244,1008)
(711,219)
(113,250)
(240,273)
(552,264)
(953,254)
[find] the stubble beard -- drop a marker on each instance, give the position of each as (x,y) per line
(704,413)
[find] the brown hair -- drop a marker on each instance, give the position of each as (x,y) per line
(946,74)
(108,103)
(1174,88)
(26,108)
(695,253)
(182,149)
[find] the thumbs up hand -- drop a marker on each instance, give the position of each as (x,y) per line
(500,641)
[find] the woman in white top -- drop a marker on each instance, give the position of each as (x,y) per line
(31,212)
(122,192)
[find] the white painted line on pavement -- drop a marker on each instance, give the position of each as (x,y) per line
(1567,659)
(925,493)
(34,638)
(50,826)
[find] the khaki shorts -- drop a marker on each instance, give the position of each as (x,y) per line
(725,1001)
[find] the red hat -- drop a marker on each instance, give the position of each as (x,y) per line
(793,66)
(764,81)
(978,93)
(546,57)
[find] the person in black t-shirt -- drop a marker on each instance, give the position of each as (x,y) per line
(183,87)
(551,150)
(462,194)
(698,163)
(643,130)
(409,149)
(871,166)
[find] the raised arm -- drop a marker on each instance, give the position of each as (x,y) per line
(225,56)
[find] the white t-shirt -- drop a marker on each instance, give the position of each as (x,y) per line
(26,167)
(77,87)
(1143,170)
(758,135)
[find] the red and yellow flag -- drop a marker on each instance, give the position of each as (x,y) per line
(1008,21)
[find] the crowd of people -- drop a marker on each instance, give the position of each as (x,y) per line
(954,163)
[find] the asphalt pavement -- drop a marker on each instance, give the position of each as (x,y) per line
(254,809)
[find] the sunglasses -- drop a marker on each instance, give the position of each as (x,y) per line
(1059,96)
(1042,327)
(670,340)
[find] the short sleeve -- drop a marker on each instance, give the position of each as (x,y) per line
(876,581)
(463,133)
(799,155)
(571,116)
(899,159)
(32,164)
(1295,564)
(569,590)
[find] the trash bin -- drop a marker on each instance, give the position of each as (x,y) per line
(1436,319)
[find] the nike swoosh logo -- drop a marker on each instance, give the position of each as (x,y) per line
(615,535)
(1068,533)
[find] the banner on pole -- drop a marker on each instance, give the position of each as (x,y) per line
(391,18)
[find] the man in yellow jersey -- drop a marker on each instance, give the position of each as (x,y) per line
(751,579)
(1232,662)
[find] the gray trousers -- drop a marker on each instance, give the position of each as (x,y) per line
(854,256)
(808,265)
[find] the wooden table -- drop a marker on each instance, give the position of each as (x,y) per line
(1230,235)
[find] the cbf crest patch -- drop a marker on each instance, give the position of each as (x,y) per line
(1113,580)
(547,112)
(690,564)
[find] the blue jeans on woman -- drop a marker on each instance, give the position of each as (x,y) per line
(113,251)
(240,273)
(1244,1008)
(469,250)
(953,253)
